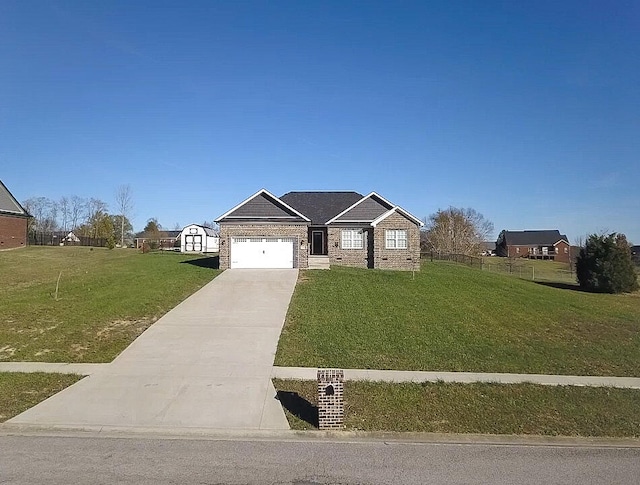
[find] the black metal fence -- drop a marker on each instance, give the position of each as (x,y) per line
(471,261)
(49,239)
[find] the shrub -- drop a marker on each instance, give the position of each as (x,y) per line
(604,265)
(111,242)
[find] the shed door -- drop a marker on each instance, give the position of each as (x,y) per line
(261,252)
(193,242)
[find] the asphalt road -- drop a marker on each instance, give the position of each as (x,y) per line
(141,460)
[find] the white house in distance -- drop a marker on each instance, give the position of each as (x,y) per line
(195,238)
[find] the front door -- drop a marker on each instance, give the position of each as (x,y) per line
(317,243)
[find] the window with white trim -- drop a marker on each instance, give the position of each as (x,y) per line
(395,238)
(352,239)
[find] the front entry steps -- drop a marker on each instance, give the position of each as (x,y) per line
(319,262)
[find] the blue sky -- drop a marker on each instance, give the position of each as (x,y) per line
(528,112)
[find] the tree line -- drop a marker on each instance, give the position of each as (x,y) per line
(603,264)
(88,217)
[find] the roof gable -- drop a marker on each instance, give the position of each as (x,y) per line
(263,206)
(320,206)
(366,209)
(207,230)
(9,204)
(372,209)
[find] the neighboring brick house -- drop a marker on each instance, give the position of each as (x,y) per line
(13,221)
(534,245)
(316,229)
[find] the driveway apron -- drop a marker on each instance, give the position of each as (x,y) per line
(205,364)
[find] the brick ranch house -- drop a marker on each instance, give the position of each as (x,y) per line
(13,221)
(534,245)
(318,229)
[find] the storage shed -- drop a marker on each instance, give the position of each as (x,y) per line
(195,238)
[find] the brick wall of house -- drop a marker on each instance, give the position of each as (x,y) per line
(515,251)
(265,230)
(403,259)
(564,252)
(523,251)
(347,257)
(13,232)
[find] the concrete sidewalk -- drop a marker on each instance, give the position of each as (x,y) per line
(309,373)
(206,364)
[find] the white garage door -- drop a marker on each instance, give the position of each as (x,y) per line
(261,252)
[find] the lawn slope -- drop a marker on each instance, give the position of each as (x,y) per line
(454,318)
(105,299)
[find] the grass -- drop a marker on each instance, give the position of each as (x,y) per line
(531,269)
(20,391)
(454,318)
(105,299)
(473,408)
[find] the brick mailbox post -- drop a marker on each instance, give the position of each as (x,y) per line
(330,398)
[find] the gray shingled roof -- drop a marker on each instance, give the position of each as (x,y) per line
(8,202)
(263,207)
(320,206)
(533,238)
(368,210)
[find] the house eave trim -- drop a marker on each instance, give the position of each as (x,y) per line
(401,211)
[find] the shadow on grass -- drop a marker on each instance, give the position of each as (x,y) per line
(562,286)
(299,406)
(212,262)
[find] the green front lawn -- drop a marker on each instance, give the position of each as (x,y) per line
(472,408)
(454,318)
(105,299)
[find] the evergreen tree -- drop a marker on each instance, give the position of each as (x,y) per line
(604,265)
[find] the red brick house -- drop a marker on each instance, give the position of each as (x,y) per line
(318,229)
(13,221)
(548,244)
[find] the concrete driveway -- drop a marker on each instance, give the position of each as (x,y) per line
(205,364)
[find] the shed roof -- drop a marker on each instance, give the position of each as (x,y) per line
(207,230)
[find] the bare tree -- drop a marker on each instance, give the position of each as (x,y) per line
(65,212)
(210,225)
(52,216)
(43,211)
(457,231)
(124,203)
(95,208)
(76,210)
